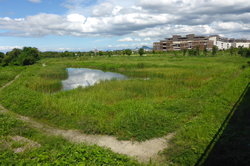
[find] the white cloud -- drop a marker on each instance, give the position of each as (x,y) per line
(9,48)
(68,6)
(64,49)
(35,1)
(109,45)
(76,18)
(139,18)
(137,40)
(122,45)
(126,39)
(147,39)
(134,45)
(61,49)
(116,10)
(136,8)
(103,9)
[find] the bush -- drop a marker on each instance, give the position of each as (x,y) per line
(191,52)
(28,61)
(184,52)
(140,65)
(214,50)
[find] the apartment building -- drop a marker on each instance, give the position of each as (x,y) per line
(179,43)
(225,43)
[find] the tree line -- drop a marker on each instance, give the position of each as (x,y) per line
(54,54)
(29,55)
(20,57)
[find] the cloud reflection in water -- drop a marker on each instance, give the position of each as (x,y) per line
(85,77)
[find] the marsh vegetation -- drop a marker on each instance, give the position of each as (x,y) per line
(189,96)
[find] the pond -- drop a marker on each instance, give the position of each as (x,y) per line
(87,77)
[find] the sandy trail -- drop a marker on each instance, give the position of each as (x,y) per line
(142,151)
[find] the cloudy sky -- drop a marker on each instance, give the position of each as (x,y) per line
(83,25)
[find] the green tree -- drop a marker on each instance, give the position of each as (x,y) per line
(66,53)
(28,56)
(242,51)
(14,53)
(154,52)
(110,53)
(205,51)
(62,54)
(128,52)
(214,50)
(231,50)
(79,54)
(141,51)
(1,56)
(101,53)
(123,52)
(31,51)
(29,60)
(197,50)
(184,52)
(191,52)
(6,60)
(12,57)
(119,52)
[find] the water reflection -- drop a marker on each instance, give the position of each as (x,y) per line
(87,77)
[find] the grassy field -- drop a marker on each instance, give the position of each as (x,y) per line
(189,96)
(9,73)
(52,150)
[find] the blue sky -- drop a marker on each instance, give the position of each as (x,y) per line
(82,25)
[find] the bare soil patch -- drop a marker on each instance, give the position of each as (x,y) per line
(19,144)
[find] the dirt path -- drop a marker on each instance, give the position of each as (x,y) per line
(9,83)
(143,151)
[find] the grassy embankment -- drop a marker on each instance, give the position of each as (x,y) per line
(190,96)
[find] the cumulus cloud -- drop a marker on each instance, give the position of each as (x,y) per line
(195,6)
(35,1)
(103,9)
(141,18)
(137,40)
(76,18)
(147,39)
(126,39)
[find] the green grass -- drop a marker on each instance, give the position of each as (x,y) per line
(9,73)
(190,96)
(53,151)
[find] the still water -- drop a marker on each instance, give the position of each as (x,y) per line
(87,77)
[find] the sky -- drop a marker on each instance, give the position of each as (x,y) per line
(83,25)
